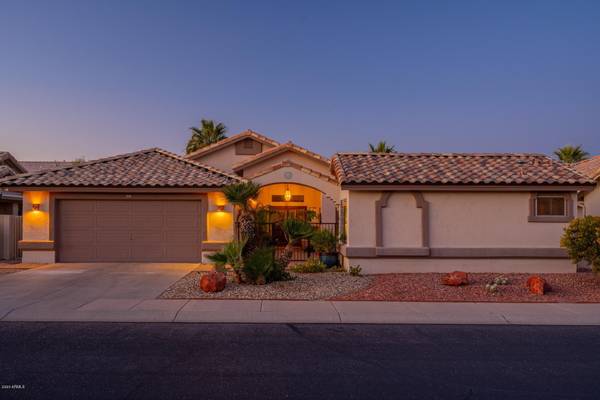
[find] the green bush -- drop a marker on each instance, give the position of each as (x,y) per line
(230,255)
(258,266)
(582,241)
(324,241)
(355,270)
(309,267)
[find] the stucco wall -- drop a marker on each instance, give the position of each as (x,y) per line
(219,223)
(225,157)
(456,219)
(592,202)
(301,159)
(36,226)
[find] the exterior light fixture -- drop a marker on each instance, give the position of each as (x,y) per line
(35,206)
(221,208)
(287,195)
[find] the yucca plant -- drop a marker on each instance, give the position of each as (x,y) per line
(259,265)
(294,230)
(240,195)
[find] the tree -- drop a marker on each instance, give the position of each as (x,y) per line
(240,195)
(381,147)
(571,154)
(207,133)
(582,241)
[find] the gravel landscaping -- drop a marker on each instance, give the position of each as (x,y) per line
(581,287)
(317,286)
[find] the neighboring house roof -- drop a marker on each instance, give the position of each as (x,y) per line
(151,168)
(453,169)
(589,167)
(231,140)
(37,166)
(10,163)
(282,148)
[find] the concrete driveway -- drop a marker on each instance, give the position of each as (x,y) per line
(70,291)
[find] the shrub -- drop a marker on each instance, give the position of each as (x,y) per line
(230,255)
(310,266)
(355,270)
(324,241)
(582,241)
(258,266)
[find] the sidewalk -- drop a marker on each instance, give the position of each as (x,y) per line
(275,311)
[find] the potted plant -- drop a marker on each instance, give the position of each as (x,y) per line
(325,243)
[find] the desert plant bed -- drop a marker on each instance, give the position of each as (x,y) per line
(581,287)
(304,286)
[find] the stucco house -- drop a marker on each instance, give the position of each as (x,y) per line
(591,168)
(399,212)
(10,202)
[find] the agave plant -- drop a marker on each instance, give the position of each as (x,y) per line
(294,230)
(240,195)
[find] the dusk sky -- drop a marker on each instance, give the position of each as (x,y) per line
(100,78)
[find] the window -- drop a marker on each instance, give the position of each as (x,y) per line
(550,207)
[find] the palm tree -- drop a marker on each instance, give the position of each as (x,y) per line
(240,194)
(571,154)
(381,147)
(207,133)
(294,230)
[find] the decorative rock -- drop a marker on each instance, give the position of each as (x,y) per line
(537,285)
(213,282)
(456,278)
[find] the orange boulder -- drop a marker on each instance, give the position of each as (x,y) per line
(213,282)
(537,285)
(456,278)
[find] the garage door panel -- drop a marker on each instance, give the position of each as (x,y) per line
(114,222)
(147,237)
(113,237)
(77,221)
(145,208)
(181,221)
(135,230)
(78,236)
(148,221)
(113,207)
(182,208)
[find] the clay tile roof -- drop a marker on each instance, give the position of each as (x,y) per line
(589,167)
(453,169)
(37,166)
(151,168)
(278,150)
(230,140)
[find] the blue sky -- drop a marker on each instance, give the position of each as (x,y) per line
(93,79)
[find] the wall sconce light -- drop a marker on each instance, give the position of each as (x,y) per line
(35,206)
(287,195)
(221,208)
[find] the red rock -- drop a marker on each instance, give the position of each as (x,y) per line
(213,282)
(456,278)
(538,285)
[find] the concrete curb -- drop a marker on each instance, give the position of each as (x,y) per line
(275,311)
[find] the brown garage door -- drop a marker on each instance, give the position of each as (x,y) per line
(128,230)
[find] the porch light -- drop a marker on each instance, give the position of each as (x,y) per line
(35,206)
(221,208)
(287,195)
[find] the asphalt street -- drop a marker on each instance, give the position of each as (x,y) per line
(294,361)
